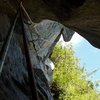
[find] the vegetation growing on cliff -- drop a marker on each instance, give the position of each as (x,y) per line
(69,79)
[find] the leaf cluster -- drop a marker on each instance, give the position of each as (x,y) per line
(69,79)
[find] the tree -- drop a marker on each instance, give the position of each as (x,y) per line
(69,79)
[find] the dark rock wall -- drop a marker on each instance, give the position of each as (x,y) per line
(4,26)
(42,37)
(14,84)
(83,17)
(14,74)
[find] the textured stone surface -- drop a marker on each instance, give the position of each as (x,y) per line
(46,34)
(42,38)
(13,79)
(14,76)
(82,16)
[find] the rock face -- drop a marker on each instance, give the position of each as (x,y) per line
(82,16)
(14,84)
(14,75)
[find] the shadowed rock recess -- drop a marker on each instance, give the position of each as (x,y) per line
(82,16)
(14,83)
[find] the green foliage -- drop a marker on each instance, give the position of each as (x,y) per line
(70,81)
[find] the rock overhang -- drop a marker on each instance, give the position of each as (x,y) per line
(82,16)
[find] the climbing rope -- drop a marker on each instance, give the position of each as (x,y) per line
(28,62)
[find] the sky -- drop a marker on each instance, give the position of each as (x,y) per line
(89,56)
